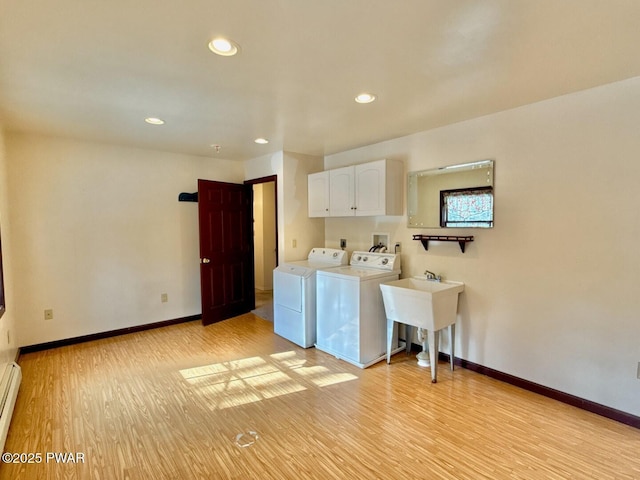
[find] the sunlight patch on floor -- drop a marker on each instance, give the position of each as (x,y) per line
(252,379)
(275,384)
(289,359)
(322,376)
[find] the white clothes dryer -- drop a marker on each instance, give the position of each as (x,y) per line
(294,294)
(351,320)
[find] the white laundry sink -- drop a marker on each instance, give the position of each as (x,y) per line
(426,304)
(421,303)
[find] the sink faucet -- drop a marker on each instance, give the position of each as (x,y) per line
(432,276)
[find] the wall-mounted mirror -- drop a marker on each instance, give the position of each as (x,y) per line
(457,196)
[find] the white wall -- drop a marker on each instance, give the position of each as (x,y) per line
(98,235)
(551,291)
(8,332)
(293,221)
(306,232)
(265,166)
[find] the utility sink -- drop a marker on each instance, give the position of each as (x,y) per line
(421,303)
(427,304)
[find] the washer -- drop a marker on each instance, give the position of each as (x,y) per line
(351,321)
(294,294)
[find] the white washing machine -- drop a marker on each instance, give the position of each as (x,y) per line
(294,294)
(351,320)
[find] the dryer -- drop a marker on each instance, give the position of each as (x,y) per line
(351,320)
(294,294)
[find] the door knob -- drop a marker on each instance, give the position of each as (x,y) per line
(205,260)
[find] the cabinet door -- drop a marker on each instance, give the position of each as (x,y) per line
(341,192)
(318,190)
(370,187)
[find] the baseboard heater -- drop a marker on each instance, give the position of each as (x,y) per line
(11,377)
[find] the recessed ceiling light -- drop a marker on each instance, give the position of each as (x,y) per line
(261,141)
(223,46)
(365,98)
(154,121)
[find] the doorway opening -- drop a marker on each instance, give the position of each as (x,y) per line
(265,242)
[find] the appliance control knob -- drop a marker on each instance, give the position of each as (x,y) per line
(365,259)
(335,254)
(385,261)
(359,258)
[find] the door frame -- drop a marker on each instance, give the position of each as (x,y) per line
(274,179)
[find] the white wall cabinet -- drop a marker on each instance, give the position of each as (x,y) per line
(318,191)
(368,189)
(342,192)
(379,188)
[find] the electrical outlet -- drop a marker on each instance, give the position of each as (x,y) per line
(48,314)
(8,337)
(397,248)
(638,370)
(294,243)
(164,298)
(343,243)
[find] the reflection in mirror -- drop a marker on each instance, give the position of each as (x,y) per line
(459,196)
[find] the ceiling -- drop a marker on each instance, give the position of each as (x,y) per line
(94,69)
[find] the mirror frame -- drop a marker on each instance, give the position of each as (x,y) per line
(433,215)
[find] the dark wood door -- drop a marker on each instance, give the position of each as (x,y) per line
(225,212)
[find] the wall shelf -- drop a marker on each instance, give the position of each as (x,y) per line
(462,241)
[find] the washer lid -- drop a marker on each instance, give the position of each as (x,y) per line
(355,273)
(297,270)
(312,264)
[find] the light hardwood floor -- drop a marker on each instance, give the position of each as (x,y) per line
(170,403)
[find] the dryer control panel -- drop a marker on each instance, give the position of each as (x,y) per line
(382,261)
(328,255)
